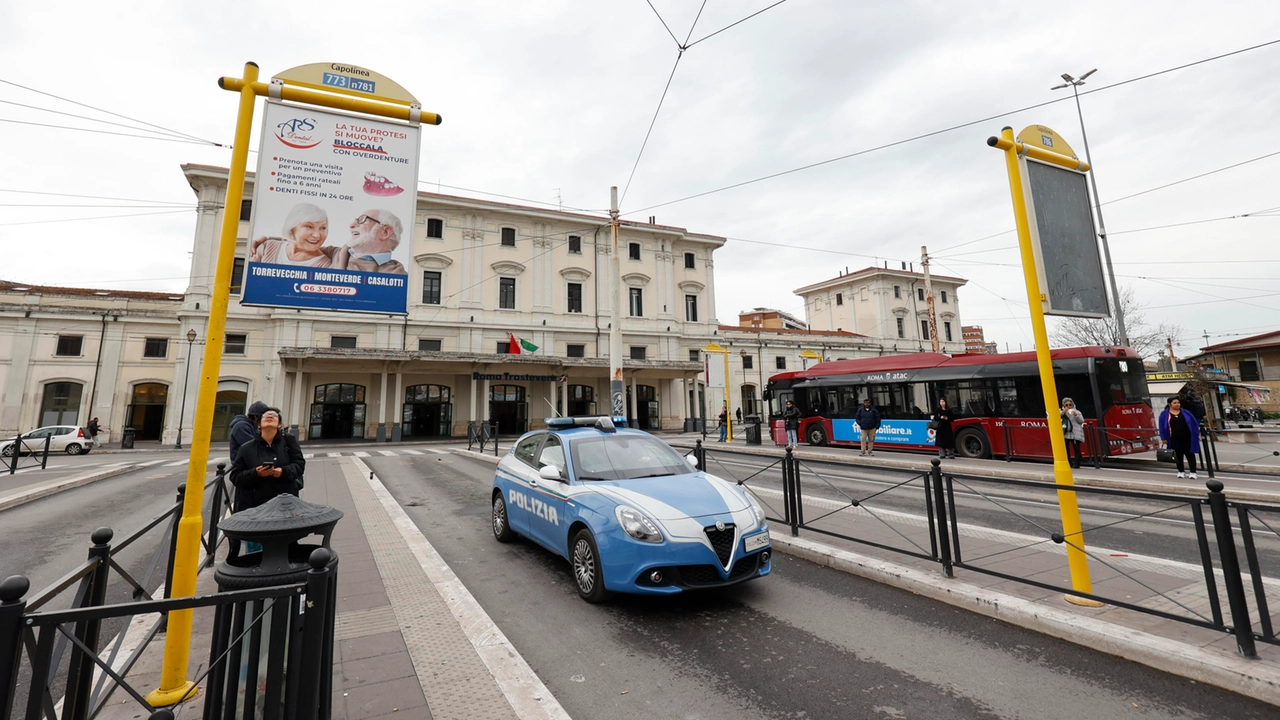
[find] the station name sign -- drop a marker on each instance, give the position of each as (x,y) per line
(517,376)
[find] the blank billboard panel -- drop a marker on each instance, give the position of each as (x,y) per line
(1065,242)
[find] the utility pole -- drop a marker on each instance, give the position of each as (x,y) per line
(616,400)
(1075,84)
(928,298)
(1173,359)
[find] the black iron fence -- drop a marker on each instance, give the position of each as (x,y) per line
(37,453)
(54,648)
(481,433)
(1001,527)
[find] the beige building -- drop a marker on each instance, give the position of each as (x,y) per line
(888,305)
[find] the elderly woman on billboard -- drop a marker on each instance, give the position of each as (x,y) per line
(306,228)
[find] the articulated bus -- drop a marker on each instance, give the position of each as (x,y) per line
(996,400)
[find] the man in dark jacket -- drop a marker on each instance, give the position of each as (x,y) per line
(791,416)
(245,427)
(868,419)
(269,464)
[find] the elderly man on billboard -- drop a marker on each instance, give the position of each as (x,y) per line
(375,234)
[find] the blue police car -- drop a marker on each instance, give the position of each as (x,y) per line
(627,511)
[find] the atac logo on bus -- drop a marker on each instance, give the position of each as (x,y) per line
(298,133)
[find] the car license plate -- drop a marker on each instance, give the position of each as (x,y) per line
(755,542)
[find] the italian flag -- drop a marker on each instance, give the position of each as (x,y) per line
(520,346)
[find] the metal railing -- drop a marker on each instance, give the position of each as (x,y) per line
(482,433)
(25,624)
(19,447)
(1002,527)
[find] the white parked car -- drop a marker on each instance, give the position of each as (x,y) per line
(62,438)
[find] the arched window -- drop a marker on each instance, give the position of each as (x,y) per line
(232,397)
(337,411)
(427,411)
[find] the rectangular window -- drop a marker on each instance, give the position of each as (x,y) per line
(575,244)
(633,251)
(504,347)
(780,362)
(637,302)
(237,275)
(509,237)
(839,298)
(246,210)
(1248,371)
(235,344)
(342,341)
(435,228)
(575,350)
(575,297)
(428,345)
(902,332)
(924,329)
(691,308)
(946,328)
(897,291)
(431,287)
(637,352)
(944,296)
(688,261)
(155,348)
(920,294)
(70,345)
(507,293)
(748,362)
(695,356)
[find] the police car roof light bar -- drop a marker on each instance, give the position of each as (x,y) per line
(602,423)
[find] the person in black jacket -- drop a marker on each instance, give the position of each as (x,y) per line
(245,427)
(268,465)
(792,417)
(944,437)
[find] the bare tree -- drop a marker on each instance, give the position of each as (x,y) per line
(1146,340)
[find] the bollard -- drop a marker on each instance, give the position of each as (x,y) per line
(317,634)
(44,459)
(12,606)
(80,671)
(700,454)
(1240,624)
(173,543)
(940,508)
(791,492)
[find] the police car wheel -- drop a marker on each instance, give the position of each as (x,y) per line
(501,525)
(587,573)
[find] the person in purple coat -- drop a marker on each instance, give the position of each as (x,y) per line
(1180,432)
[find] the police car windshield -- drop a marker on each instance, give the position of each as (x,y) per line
(624,457)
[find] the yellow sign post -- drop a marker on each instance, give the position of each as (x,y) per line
(373,98)
(714,348)
(1015,150)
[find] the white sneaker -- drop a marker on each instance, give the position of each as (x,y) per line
(1182,475)
(1193,476)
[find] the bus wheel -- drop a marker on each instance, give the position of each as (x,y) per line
(972,443)
(815,435)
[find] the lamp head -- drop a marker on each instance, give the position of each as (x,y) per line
(191,336)
(1068,78)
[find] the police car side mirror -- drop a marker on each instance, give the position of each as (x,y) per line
(692,460)
(549,472)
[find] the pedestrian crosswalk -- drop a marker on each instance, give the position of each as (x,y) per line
(397,452)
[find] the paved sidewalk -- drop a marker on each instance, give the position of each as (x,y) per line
(410,641)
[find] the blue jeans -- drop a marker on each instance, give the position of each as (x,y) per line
(724,432)
(792,440)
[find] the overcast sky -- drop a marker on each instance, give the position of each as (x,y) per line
(550,101)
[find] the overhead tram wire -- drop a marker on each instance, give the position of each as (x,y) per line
(509,197)
(98,217)
(113,114)
(664,22)
(726,27)
(945,130)
(94,197)
(97,120)
(652,122)
(163,138)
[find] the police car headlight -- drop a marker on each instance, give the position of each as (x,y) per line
(637,524)
(756,507)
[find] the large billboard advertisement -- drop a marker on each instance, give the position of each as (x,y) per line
(334,203)
(891,432)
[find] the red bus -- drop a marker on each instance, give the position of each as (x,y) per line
(997,400)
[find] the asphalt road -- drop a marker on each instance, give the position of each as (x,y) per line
(806,642)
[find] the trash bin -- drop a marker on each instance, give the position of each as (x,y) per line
(753,429)
(126,440)
(263,640)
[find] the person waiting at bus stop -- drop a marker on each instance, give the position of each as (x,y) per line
(944,438)
(1072,431)
(724,423)
(268,465)
(868,419)
(791,418)
(1180,432)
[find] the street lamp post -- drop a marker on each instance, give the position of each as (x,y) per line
(191,338)
(1074,84)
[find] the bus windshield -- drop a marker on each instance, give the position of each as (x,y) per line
(1121,382)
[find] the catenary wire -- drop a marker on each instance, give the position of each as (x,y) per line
(664,23)
(93,197)
(160,138)
(99,217)
(726,27)
(90,119)
(652,122)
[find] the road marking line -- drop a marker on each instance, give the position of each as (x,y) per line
(360,453)
(176,464)
(149,464)
(523,690)
(440,452)
(389,453)
(411,452)
(308,456)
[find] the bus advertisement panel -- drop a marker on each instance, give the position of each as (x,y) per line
(891,432)
(334,205)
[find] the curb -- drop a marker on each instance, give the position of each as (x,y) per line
(1018,473)
(1221,670)
(43,491)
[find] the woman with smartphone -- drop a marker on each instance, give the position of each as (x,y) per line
(268,465)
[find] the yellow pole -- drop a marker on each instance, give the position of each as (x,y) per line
(728,417)
(1077,561)
(174,685)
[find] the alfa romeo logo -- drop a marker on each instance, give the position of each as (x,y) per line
(720,525)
